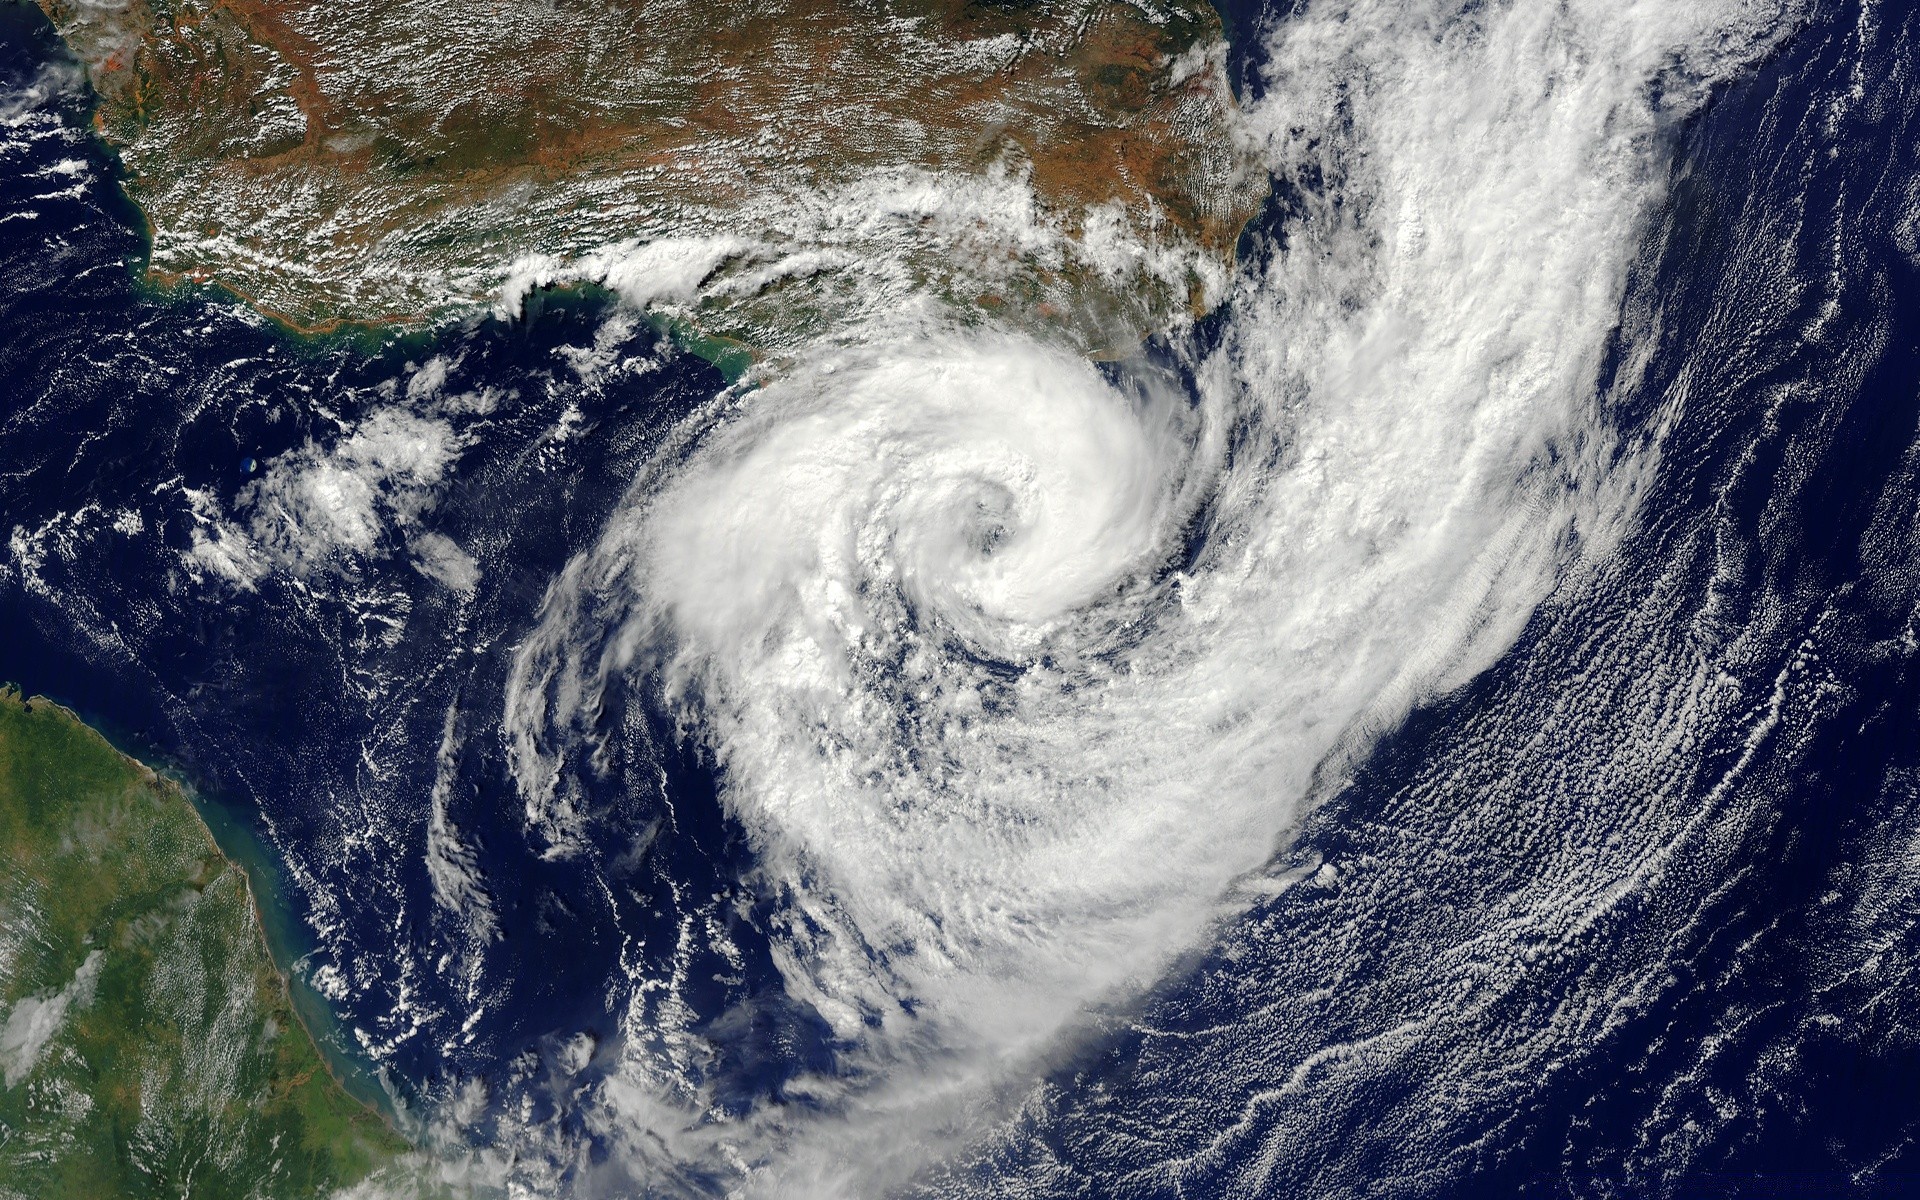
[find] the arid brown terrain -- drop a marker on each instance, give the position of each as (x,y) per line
(1064,164)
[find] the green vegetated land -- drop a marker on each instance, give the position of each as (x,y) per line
(147,1043)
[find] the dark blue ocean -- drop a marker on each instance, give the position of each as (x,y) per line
(1740,1018)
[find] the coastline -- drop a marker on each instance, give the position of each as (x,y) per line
(154,1045)
(240,848)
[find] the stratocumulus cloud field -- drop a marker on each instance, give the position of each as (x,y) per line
(1314,753)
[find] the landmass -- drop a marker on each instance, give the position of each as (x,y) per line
(148,1046)
(767,169)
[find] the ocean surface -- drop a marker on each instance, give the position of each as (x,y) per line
(1633,911)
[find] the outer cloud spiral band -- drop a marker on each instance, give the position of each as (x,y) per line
(1013,665)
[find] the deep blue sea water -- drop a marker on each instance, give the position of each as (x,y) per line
(1726,718)
(118,398)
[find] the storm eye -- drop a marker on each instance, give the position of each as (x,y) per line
(987,529)
(987,538)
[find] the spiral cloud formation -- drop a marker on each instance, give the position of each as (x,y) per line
(1014,665)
